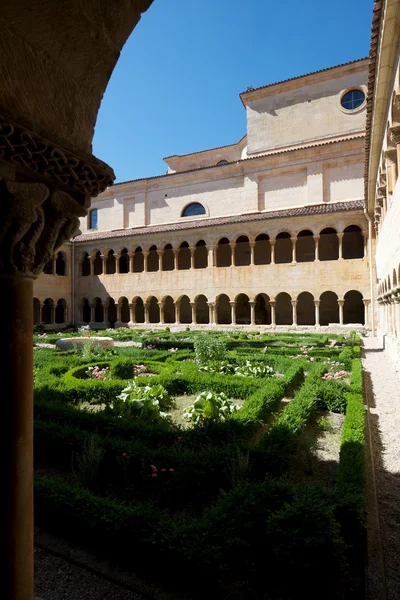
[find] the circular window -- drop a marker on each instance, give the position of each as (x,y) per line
(352,99)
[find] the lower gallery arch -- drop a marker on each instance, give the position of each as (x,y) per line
(86,314)
(262,250)
(202,316)
(153,260)
(169,310)
(283,309)
(185,310)
(224,316)
(328,308)
(200,255)
(124,308)
(353,308)
(242,310)
(224,253)
(112,312)
(98,310)
(262,310)
(59,312)
(305,309)
(154,310)
(139,310)
(47,311)
(36,311)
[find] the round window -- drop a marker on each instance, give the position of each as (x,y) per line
(352,99)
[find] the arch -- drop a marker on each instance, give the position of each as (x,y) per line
(139,310)
(169,310)
(194,209)
(305,246)
(47,311)
(153,261)
(394,279)
(328,244)
(61,264)
(86,313)
(123,304)
(262,250)
(124,261)
(98,264)
(328,308)
(112,315)
(305,309)
(353,242)
(111,263)
(185,310)
(224,314)
(85,265)
(138,260)
(60,311)
(242,307)
(154,310)
(184,256)
(353,308)
(36,311)
(222,162)
(283,248)
(283,309)
(98,310)
(224,253)
(242,251)
(48,268)
(262,310)
(168,259)
(93,219)
(202,313)
(201,255)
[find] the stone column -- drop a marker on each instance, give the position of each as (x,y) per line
(233,312)
(340,238)
(41,311)
(341,304)
(161,306)
(105,315)
(92,313)
(252,313)
(316,238)
(212,312)
(132,313)
(272,242)
(65,314)
(367,303)
(146,312)
(131,258)
(52,313)
(176,252)
(272,304)
(233,257)
(211,257)
(194,315)
(80,313)
(252,246)
(397,309)
(117,263)
(91,259)
(294,312)
(145,256)
(119,307)
(316,304)
(104,261)
(54,265)
(192,251)
(160,262)
(177,312)
(293,240)
(365,236)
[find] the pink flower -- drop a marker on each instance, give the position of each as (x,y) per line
(180,438)
(154,474)
(163,470)
(172,470)
(124,454)
(153,467)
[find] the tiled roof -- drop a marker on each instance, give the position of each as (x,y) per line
(317,209)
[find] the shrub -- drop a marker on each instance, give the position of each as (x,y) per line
(141,401)
(331,395)
(210,406)
(251,369)
(86,464)
(209,349)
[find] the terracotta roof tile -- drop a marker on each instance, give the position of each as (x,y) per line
(317,209)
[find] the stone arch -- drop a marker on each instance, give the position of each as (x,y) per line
(138,260)
(111,263)
(85,265)
(168,259)
(169,310)
(153,261)
(185,310)
(283,309)
(305,309)
(201,255)
(61,264)
(353,308)
(97,263)
(224,253)
(262,250)
(262,310)
(86,313)
(328,244)
(305,246)
(353,242)
(283,248)
(224,316)
(139,309)
(242,251)
(394,279)
(47,311)
(154,310)
(123,304)
(98,310)
(124,261)
(242,309)
(184,256)
(48,268)
(112,315)
(60,310)
(36,311)
(202,316)
(328,308)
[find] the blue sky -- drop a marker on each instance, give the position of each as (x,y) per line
(175,87)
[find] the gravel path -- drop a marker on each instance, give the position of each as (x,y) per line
(382,390)
(58,579)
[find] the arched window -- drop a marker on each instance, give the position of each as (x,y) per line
(193,210)
(222,162)
(93,219)
(61,267)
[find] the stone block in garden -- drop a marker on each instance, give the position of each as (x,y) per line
(69,343)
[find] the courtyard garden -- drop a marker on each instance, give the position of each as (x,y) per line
(207,463)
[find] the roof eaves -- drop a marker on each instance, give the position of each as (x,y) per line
(166,158)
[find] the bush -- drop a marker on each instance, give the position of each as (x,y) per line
(210,406)
(209,349)
(331,395)
(139,401)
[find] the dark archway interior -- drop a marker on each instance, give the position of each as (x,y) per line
(305,309)
(328,308)
(262,250)
(305,246)
(353,308)
(224,253)
(262,310)
(283,248)
(223,310)
(283,309)
(353,242)
(328,244)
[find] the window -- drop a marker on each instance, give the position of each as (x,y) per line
(194,209)
(93,219)
(222,162)
(352,99)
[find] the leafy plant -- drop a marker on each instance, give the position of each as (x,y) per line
(218,366)
(250,369)
(139,401)
(324,424)
(210,406)
(209,348)
(85,465)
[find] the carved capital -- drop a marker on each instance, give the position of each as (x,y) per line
(394,135)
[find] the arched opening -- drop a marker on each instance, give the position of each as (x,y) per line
(86,314)
(98,264)
(352,242)
(305,309)
(47,311)
(60,311)
(262,310)
(242,310)
(224,316)
(154,310)
(262,250)
(98,310)
(124,308)
(111,266)
(36,311)
(169,310)
(394,279)
(328,308)
(61,264)
(202,310)
(224,254)
(92,217)
(168,259)
(185,310)
(85,265)
(200,255)
(242,251)
(353,308)
(139,310)
(124,261)
(328,244)
(112,312)
(283,248)
(184,256)
(283,309)
(305,246)
(193,210)
(48,268)
(138,261)
(152,260)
